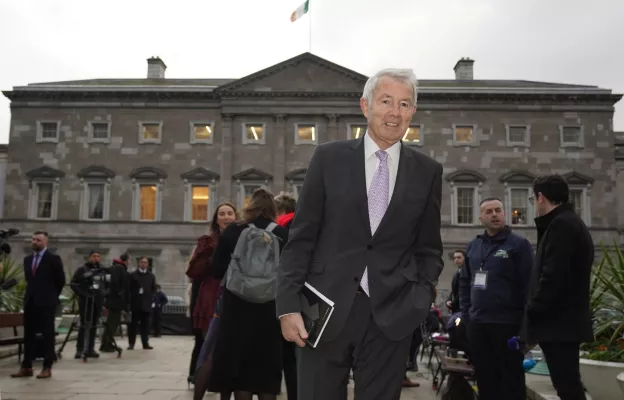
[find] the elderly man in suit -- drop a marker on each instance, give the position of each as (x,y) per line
(366,234)
(45,278)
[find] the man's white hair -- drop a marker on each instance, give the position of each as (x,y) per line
(404,75)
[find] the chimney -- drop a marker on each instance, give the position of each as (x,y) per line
(155,68)
(463,69)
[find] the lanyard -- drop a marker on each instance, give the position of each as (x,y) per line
(486,256)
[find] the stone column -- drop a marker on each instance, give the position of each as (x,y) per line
(279,154)
(332,127)
(225,187)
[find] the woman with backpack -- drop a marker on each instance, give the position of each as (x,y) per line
(205,289)
(247,358)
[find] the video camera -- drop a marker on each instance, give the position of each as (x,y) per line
(5,248)
(97,279)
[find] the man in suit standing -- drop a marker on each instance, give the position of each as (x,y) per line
(45,278)
(142,289)
(366,234)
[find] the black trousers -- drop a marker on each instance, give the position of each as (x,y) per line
(38,319)
(90,312)
(499,370)
(563,363)
(378,363)
(289,364)
(199,342)
(157,321)
(113,320)
(139,318)
(415,345)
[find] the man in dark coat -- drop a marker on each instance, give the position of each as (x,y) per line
(142,289)
(558,313)
(117,300)
(160,299)
(459,256)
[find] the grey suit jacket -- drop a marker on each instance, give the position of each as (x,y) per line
(330,242)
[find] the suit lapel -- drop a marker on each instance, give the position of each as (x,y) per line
(404,172)
(358,173)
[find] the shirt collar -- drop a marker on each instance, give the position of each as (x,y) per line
(370,147)
(40,253)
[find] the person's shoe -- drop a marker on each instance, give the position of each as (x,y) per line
(407,383)
(92,354)
(131,347)
(45,374)
(23,373)
(107,350)
(78,355)
(147,347)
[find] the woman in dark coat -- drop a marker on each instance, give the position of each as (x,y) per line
(205,288)
(247,357)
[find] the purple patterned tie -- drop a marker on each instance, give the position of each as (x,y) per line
(378,195)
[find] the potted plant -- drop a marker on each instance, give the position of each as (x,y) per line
(11,300)
(602,360)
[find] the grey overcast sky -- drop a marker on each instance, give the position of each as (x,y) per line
(568,41)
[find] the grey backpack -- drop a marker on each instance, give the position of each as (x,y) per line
(252,272)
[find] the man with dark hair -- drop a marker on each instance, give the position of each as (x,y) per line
(117,300)
(558,313)
(492,294)
(142,289)
(459,256)
(45,278)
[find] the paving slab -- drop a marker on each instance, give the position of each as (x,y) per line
(158,374)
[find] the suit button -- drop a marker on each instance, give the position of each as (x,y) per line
(369,247)
(356,278)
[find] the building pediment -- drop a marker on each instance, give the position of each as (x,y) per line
(45,172)
(252,174)
(465,175)
(148,173)
(522,177)
(303,73)
(576,178)
(95,171)
(200,174)
(296,175)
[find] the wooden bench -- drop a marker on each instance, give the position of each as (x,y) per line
(448,365)
(15,321)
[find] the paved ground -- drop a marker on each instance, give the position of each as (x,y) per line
(159,374)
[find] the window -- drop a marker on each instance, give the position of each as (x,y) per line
(199,194)
(150,132)
(44,196)
(95,193)
(99,132)
(465,194)
(413,135)
(576,198)
(520,212)
(571,136)
(463,134)
(48,131)
(580,194)
(465,205)
(297,189)
(202,132)
(148,199)
(357,131)
(43,192)
(253,133)
(247,191)
(517,135)
(306,134)
(248,181)
(200,200)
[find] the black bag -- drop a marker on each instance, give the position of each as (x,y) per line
(457,388)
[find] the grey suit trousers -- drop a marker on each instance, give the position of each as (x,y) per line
(378,363)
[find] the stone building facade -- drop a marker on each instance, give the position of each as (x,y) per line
(140,164)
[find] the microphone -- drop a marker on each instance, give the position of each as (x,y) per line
(6,248)
(8,284)
(10,232)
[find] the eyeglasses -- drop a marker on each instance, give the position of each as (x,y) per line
(532,200)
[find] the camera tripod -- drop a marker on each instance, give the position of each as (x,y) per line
(89,311)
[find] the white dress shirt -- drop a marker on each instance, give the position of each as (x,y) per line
(371,163)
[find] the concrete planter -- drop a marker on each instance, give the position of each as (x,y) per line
(601,379)
(620,379)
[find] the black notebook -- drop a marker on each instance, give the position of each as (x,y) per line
(316,311)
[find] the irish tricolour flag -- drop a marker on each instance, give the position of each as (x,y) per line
(298,13)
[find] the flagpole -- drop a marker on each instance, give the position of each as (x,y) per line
(310,33)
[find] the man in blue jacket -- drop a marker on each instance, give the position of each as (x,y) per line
(492,295)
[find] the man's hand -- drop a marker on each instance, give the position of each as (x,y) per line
(293,329)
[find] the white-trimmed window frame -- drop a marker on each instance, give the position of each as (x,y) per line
(474,140)
(508,206)
(420,132)
(194,140)
(527,135)
(93,139)
(241,189)
(585,201)
(136,198)
(476,186)
(142,139)
(298,140)
(84,200)
(246,141)
(41,139)
(295,187)
(351,125)
(188,198)
(578,144)
(33,197)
